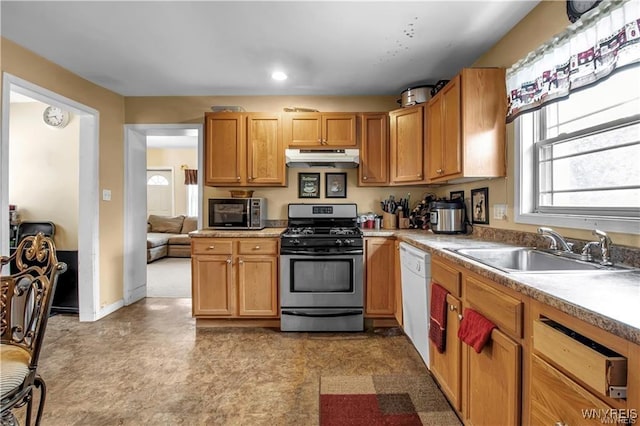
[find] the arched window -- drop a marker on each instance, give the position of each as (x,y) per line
(158,180)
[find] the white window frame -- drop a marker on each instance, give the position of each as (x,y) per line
(525,193)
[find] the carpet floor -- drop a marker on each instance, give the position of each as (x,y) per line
(169,277)
(383,400)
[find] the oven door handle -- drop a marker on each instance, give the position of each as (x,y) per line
(318,253)
(324,313)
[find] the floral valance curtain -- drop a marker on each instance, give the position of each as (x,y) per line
(190,177)
(603,40)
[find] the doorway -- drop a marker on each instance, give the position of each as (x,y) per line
(88,201)
(138,137)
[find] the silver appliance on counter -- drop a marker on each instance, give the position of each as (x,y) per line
(447,217)
(321,269)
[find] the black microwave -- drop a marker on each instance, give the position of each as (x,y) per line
(237,213)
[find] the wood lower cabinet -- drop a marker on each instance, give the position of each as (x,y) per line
(312,129)
(558,400)
(242,282)
(374,150)
(213,290)
(244,149)
(398,284)
(466,131)
(492,382)
(406,145)
(380,278)
(446,366)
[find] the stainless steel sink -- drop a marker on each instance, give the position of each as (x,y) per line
(530,260)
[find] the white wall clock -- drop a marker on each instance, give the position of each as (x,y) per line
(56,117)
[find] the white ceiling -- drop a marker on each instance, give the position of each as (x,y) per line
(153,48)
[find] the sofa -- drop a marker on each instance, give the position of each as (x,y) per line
(169,236)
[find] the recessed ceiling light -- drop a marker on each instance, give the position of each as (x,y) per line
(279,75)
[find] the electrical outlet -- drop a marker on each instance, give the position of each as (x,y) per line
(106,195)
(500,211)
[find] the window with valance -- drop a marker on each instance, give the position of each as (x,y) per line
(575,102)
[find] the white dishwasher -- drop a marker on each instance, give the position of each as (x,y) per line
(415,272)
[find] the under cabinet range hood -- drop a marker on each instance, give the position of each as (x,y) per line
(338,158)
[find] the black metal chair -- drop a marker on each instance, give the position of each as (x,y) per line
(25,302)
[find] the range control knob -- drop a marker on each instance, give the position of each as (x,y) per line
(339,242)
(348,242)
(295,241)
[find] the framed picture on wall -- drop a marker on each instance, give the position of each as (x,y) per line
(308,185)
(454,195)
(480,206)
(335,185)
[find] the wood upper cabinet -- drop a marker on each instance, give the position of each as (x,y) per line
(407,145)
(379,278)
(374,150)
(466,127)
(443,140)
(244,149)
(314,129)
(265,150)
(235,278)
(224,148)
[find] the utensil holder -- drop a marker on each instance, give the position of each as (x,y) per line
(389,221)
(403,223)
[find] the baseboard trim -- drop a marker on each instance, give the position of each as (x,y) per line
(235,322)
(109,309)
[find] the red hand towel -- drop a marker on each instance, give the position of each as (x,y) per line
(438,317)
(475,329)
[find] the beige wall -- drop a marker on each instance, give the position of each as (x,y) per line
(37,70)
(175,158)
(191,109)
(544,21)
(37,153)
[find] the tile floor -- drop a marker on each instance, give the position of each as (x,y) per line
(147,364)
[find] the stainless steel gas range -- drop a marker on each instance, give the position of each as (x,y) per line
(321,269)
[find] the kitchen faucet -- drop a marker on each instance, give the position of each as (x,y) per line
(605,247)
(556,240)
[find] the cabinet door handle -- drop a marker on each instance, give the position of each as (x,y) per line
(250,177)
(229,261)
(439,171)
(364,178)
(238,178)
(453,308)
(560,424)
(211,247)
(256,248)
(419,175)
(240,261)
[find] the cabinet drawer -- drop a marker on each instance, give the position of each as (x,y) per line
(211,246)
(588,361)
(505,311)
(447,277)
(556,399)
(258,246)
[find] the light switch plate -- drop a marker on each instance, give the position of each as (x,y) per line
(500,211)
(106,195)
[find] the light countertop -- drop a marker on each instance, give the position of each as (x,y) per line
(609,301)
